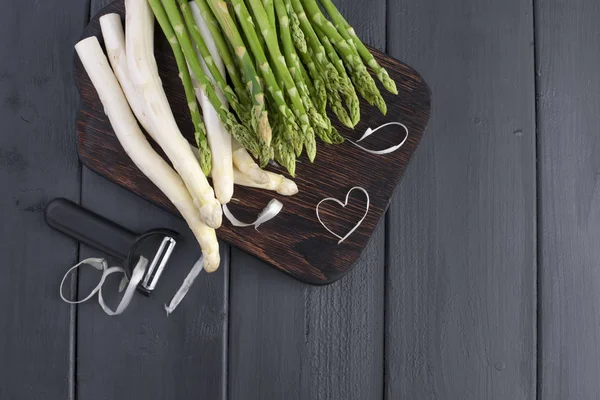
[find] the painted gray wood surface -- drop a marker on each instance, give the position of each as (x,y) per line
(293,341)
(461,279)
(442,306)
(38,162)
(569,188)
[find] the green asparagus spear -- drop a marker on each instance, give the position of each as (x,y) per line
(336,78)
(253,84)
(270,9)
(295,70)
(335,136)
(224,52)
(349,34)
(363,82)
(243,111)
(330,82)
(346,86)
(299,98)
(186,79)
(247,26)
(300,76)
(238,131)
(282,148)
(296,31)
(315,86)
(321,44)
(360,76)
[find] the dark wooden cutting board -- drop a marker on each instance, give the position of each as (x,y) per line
(294,242)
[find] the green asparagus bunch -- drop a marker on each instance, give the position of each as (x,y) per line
(287,63)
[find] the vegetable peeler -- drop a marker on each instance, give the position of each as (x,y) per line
(110,238)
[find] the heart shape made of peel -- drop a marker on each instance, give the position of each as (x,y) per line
(344,204)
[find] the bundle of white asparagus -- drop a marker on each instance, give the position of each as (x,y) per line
(132,92)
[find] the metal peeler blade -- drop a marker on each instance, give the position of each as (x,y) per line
(110,238)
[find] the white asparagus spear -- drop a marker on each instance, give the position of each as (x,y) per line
(218,137)
(137,17)
(246,164)
(140,151)
(238,154)
(114,41)
(142,71)
(275,182)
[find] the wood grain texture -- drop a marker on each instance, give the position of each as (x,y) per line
(569,216)
(460,289)
(38,162)
(295,341)
(291,341)
(298,244)
(145,354)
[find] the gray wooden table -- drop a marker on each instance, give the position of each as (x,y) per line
(483,282)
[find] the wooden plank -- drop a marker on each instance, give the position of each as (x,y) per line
(460,290)
(294,341)
(144,353)
(569,230)
(38,162)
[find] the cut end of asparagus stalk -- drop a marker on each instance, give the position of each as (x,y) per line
(287,187)
(212,213)
(211,261)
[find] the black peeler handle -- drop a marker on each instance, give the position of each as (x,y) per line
(89,228)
